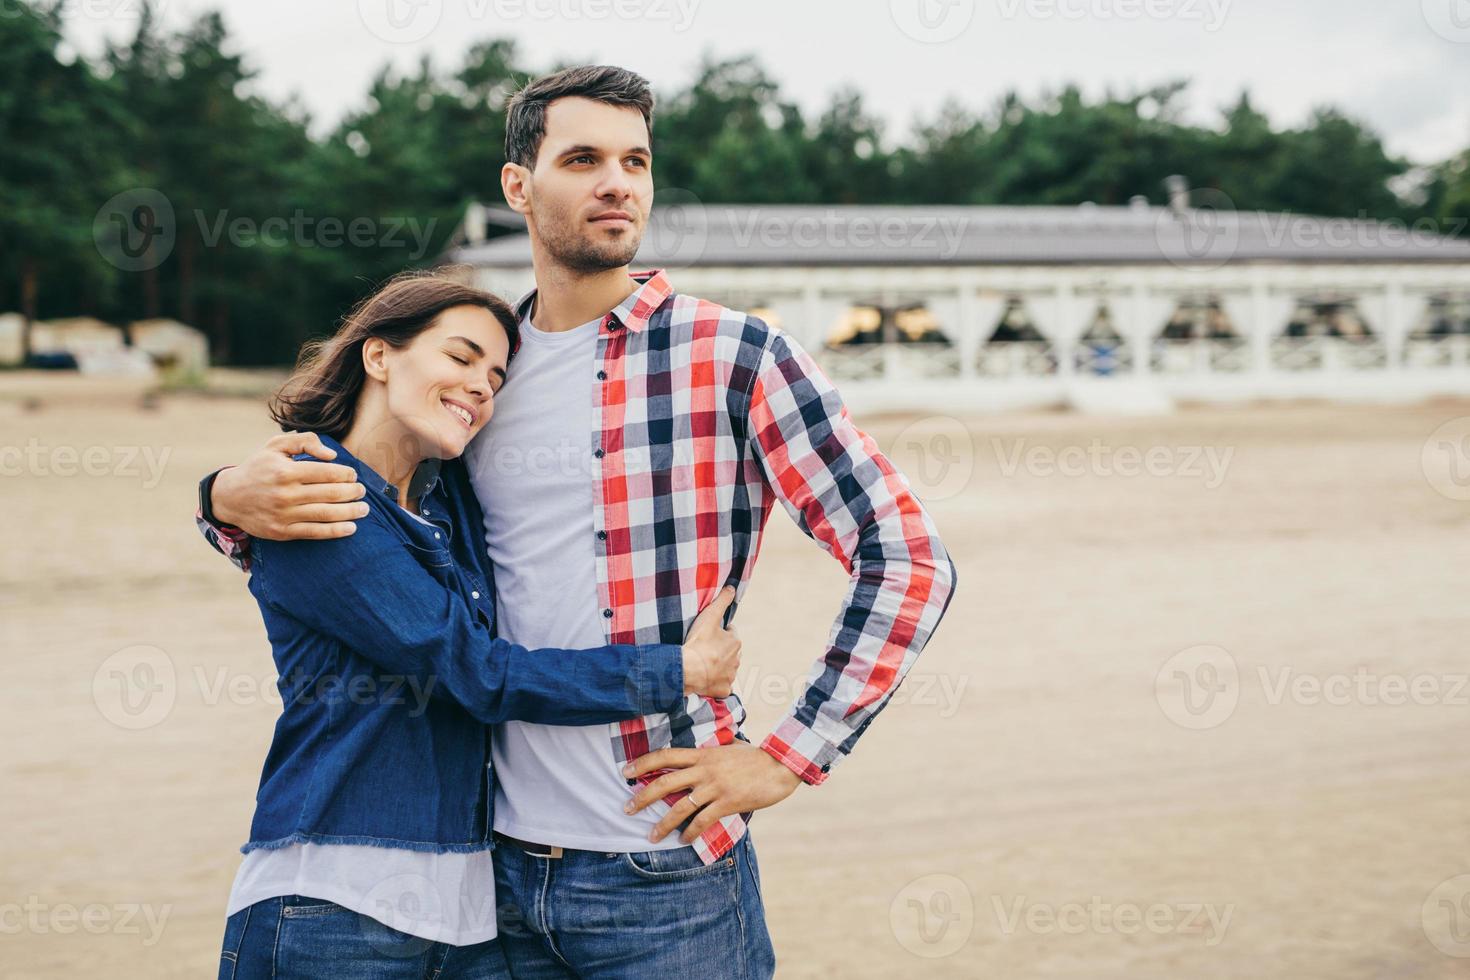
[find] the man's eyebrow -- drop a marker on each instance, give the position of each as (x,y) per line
(470,344)
(585,148)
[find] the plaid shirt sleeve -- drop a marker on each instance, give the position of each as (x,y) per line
(844,494)
(229,541)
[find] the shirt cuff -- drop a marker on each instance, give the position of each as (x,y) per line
(659,678)
(802,750)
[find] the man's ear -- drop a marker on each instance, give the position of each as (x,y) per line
(375,358)
(515,184)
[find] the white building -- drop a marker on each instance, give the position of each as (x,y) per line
(993,307)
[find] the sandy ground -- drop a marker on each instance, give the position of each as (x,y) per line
(1190,723)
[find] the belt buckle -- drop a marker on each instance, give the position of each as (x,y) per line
(552,851)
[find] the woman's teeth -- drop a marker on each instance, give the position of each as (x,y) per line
(463,415)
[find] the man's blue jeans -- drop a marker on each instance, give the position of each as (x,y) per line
(307,938)
(643,914)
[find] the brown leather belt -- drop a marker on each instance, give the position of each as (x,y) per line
(530,847)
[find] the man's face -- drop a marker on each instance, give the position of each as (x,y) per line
(592,186)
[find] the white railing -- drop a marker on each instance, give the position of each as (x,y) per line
(860,362)
(1437,353)
(908,362)
(1104,357)
(924,360)
(1202,356)
(1328,354)
(1016,359)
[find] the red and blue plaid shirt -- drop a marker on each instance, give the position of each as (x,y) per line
(703,418)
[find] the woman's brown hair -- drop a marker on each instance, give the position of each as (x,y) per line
(321,394)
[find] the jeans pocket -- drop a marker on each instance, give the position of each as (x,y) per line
(675,864)
(301,907)
(746,850)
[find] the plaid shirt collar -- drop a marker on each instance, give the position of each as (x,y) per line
(633,312)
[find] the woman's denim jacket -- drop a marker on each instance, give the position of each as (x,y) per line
(390,673)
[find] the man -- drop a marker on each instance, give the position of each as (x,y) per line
(635,454)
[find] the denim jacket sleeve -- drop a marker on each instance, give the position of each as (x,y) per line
(369,592)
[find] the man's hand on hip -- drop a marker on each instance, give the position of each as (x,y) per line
(727,779)
(274,497)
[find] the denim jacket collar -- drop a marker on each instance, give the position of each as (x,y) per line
(425,479)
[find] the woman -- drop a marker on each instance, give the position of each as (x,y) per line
(369,853)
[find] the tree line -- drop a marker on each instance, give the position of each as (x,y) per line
(275,232)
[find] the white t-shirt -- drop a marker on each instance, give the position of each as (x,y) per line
(532,470)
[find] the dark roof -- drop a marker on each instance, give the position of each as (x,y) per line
(814,235)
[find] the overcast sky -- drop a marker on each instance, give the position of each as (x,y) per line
(1402,66)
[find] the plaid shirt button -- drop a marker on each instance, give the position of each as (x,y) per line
(607,614)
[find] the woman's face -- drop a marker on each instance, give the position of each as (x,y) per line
(441,387)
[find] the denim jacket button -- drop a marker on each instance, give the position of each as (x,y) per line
(474,595)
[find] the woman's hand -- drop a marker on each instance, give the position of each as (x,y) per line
(711,652)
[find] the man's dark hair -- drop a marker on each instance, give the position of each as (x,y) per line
(525,115)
